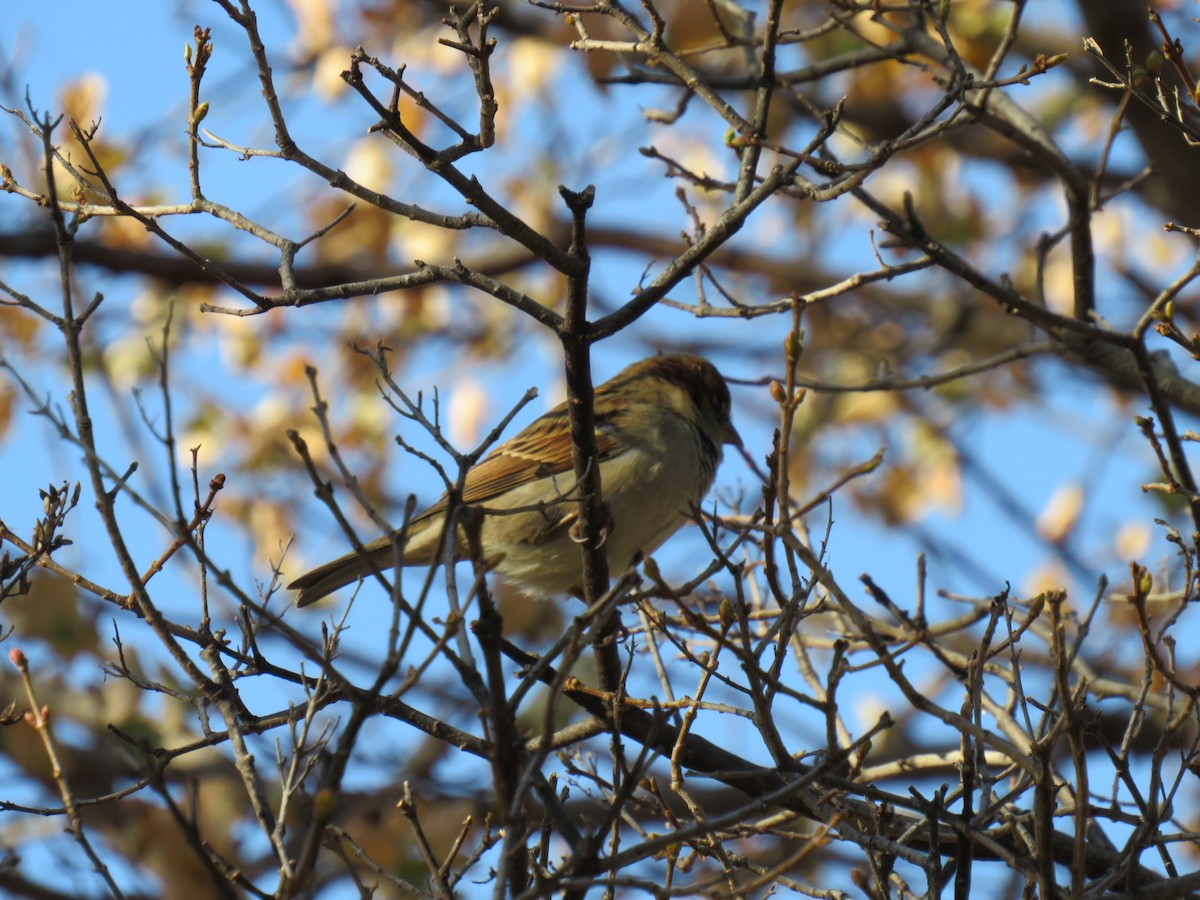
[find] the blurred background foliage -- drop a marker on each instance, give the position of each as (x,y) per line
(1028,473)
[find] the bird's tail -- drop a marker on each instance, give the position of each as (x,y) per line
(344,570)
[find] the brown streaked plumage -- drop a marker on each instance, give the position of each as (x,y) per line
(660,427)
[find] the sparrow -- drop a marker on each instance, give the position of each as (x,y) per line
(660,427)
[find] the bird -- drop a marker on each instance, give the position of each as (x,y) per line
(661,425)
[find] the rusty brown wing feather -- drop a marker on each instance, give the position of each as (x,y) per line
(540,451)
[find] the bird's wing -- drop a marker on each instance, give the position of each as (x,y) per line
(540,451)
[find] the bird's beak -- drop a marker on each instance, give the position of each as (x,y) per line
(731,436)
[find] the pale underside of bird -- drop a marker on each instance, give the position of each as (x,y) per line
(660,427)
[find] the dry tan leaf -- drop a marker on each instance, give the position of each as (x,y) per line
(534,65)
(370,164)
(1044,578)
(315,29)
(128,361)
(327,72)
(1061,513)
(50,611)
(83,98)
(467,411)
(361,237)
(1132,540)
(7,396)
